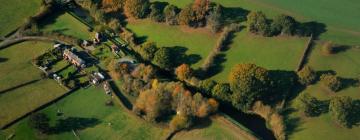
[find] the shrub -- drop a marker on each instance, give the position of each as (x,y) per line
(306,75)
(180,122)
(331,81)
(309,105)
(163,58)
(258,24)
(156,13)
(249,83)
(183,72)
(214,19)
(171,13)
(340,109)
(187,16)
(147,50)
(328,48)
(136,8)
(278,126)
(221,92)
(115,25)
(283,24)
(206,86)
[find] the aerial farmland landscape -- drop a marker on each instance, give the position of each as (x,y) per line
(180,70)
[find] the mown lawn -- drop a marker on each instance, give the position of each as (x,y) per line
(14,12)
(198,42)
(21,88)
(68,25)
(275,53)
(90,104)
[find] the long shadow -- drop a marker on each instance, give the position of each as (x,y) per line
(251,121)
(118,93)
(19,86)
(312,27)
(292,124)
(73,123)
(3,60)
(50,18)
(181,57)
(234,14)
(284,85)
(355,116)
(349,82)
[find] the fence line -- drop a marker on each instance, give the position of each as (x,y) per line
(38,108)
(306,53)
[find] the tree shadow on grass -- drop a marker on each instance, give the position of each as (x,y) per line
(73,123)
(180,56)
(234,14)
(216,67)
(3,59)
(312,27)
(292,124)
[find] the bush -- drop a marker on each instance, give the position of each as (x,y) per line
(206,86)
(164,58)
(180,122)
(147,50)
(183,72)
(328,48)
(156,13)
(258,24)
(284,25)
(306,75)
(187,16)
(309,105)
(248,83)
(340,109)
(331,81)
(171,14)
(136,8)
(222,92)
(214,19)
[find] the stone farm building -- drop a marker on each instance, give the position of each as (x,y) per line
(73,58)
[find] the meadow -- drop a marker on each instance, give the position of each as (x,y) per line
(273,53)
(340,17)
(346,65)
(14,12)
(90,104)
(22,89)
(198,42)
(67,25)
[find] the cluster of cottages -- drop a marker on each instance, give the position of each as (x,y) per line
(72,56)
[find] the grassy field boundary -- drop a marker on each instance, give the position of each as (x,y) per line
(38,108)
(227,120)
(306,53)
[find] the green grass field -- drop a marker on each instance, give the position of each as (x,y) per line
(276,53)
(68,25)
(21,88)
(340,17)
(346,65)
(198,41)
(14,12)
(90,103)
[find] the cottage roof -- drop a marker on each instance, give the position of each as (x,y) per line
(73,56)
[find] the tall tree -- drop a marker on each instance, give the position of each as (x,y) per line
(163,58)
(283,24)
(340,109)
(183,72)
(171,13)
(258,24)
(136,8)
(249,83)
